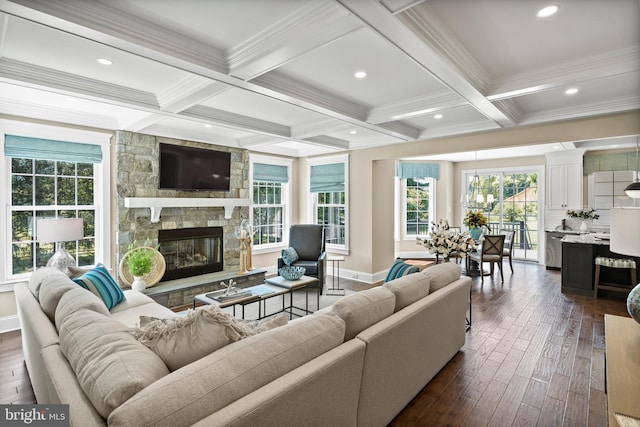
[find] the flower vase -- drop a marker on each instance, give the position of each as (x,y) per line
(633,303)
(584,228)
(475,233)
(138,284)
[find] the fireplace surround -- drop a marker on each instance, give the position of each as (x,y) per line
(191,251)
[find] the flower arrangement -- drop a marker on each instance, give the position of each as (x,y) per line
(443,242)
(583,214)
(474,219)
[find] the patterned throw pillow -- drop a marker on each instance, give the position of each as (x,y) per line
(99,281)
(289,256)
(398,269)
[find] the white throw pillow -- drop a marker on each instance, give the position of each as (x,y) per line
(183,340)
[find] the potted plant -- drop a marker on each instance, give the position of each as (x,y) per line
(585,215)
(474,220)
(139,262)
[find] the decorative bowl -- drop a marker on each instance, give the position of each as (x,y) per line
(292,273)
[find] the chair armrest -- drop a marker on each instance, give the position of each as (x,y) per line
(280,263)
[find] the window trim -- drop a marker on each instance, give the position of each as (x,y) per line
(287,200)
(102,196)
(432,205)
(313,199)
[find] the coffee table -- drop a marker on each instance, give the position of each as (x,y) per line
(293,285)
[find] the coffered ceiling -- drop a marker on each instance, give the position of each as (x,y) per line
(277,76)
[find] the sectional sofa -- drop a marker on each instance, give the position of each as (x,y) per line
(358,362)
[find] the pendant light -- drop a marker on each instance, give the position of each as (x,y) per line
(633,189)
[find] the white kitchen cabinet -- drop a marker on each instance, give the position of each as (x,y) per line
(606,191)
(564,186)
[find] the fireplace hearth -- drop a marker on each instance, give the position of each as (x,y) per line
(191,251)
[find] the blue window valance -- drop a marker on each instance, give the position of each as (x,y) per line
(270,173)
(48,149)
(327,178)
(406,170)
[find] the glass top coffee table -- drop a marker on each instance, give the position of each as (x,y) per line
(259,293)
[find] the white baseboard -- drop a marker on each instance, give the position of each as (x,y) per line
(9,323)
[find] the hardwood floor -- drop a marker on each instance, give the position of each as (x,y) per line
(533,356)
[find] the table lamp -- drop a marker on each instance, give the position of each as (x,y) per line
(60,230)
(625,239)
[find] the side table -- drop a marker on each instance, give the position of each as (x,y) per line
(622,366)
(335,262)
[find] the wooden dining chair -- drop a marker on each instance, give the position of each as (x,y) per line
(508,245)
(492,252)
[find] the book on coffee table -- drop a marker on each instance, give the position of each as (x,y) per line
(262,290)
(224,298)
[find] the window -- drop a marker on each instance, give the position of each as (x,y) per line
(51,178)
(270,200)
(328,186)
(418,205)
(49,189)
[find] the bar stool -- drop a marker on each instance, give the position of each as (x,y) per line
(620,263)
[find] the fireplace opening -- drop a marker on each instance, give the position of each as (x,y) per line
(191,251)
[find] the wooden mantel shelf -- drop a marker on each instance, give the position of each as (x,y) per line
(157,203)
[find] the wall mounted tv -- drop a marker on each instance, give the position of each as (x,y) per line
(189,168)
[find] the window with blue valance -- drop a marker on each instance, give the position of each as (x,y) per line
(48,149)
(417,170)
(327,178)
(270,173)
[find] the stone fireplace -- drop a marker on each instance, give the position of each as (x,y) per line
(191,251)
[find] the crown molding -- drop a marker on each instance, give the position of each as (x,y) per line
(328,141)
(318,127)
(510,108)
(597,66)
(236,121)
(420,21)
(421,105)
(104,23)
(173,97)
(410,132)
(71,84)
(309,27)
(468,127)
(190,135)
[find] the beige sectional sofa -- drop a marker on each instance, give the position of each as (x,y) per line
(358,362)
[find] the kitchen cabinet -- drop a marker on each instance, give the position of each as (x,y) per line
(606,189)
(564,186)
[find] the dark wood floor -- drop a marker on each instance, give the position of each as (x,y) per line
(533,356)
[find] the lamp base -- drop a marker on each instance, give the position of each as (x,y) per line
(62,259)
(633,303)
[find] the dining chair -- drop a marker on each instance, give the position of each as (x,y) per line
(492,252)
(508,245)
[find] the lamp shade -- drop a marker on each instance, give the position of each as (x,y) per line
(625,231)
(59,229)
(633,190)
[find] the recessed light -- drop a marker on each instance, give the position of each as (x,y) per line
(438,116)
(571,91)
(360,74)
(207,125)
(547,11)
(353,132)
(104,61)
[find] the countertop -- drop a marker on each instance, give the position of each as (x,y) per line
(588,239)
(552,230)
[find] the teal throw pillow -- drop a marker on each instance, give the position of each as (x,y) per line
(289,256)
(99,282)
(399,268)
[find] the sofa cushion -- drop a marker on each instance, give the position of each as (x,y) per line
(363,309)
(441,275)
(408,289)
(39,276)
(289,256)
(111,365)
(131,317)
(399,268)
(182,340)
(75,299)
(131,299)
(51,290)
(215,381)
(99,281)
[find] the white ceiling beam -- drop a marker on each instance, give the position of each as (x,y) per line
(610,106)
(329,141)
(61,115)
(418,46)
(236,121)
(4,24)
(188,92)
(187,134)
(415,107)
(318,127)
(308,28)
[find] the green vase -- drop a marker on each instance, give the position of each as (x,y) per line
(475,233)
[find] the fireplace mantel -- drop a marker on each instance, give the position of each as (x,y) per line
(157,203)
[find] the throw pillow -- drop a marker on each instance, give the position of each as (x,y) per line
(399,268)
(99,281)
(186,339)
(110,365)
(289,256)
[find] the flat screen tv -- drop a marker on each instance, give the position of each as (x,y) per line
(189,168)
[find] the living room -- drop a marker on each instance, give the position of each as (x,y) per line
(283,93)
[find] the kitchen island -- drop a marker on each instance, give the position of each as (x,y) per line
(578,264)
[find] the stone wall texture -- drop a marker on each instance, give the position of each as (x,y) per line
(136,172)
